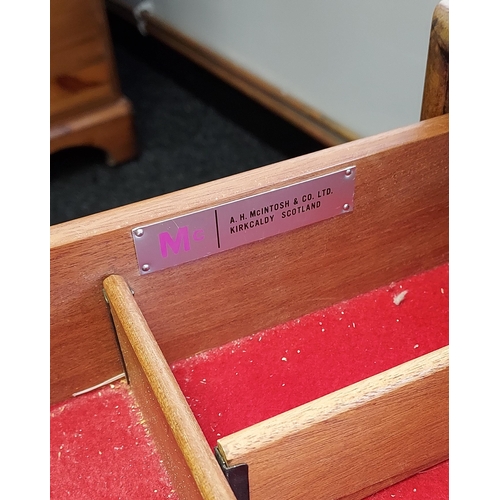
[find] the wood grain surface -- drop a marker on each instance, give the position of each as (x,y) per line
(82,66)
(353,442)
(399,227)
(86,104)
(163,404)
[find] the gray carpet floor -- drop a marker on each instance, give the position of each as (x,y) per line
(191,128)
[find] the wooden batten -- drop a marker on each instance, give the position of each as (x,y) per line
(353,442)
(182,445)
(398,227)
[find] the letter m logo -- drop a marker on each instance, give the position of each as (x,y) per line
(166,241)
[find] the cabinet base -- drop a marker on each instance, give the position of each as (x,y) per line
(109,127)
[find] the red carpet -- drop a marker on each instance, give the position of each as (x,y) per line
(99,449)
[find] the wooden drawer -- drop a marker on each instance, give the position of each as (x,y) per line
(398,227)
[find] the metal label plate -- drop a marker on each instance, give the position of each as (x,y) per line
(199,234)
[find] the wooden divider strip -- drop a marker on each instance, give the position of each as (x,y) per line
(353,442)
(146,365)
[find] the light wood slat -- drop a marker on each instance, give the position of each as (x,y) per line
(353,442)
(147,367)
(399,227)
